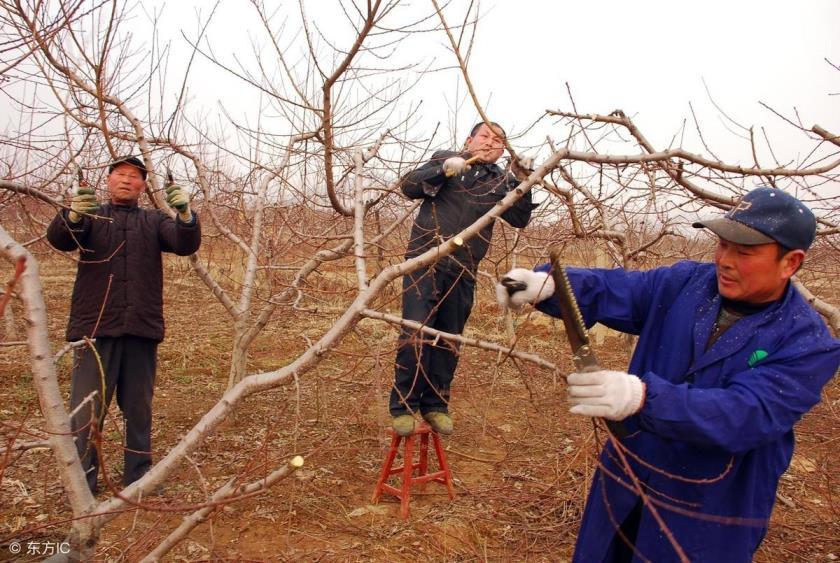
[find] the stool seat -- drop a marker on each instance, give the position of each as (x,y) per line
(442,475)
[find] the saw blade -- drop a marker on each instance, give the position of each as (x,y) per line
(582,355)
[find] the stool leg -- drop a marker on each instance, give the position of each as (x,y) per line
(408,469)
(386,468)
(424,458)
(447,476)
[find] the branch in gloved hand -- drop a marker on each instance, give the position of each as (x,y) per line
(613,395)
(457,165)
(178,199)
(522,167)
(84,200)
(521,286)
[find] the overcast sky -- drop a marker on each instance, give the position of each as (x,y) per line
(648,58)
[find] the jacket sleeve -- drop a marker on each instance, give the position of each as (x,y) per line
(749,408)
(520,213)
(427,180)
(178,237)
(67,236)
(618,298)
(754,407)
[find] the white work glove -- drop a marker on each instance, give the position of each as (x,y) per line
(83,201)
(455,166)
(521,286)
(178,199)
(527,162)
(522,167)
(613,395)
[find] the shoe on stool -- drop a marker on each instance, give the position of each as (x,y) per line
(403,424)
(440,422)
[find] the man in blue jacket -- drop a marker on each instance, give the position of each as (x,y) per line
(455,194)
(729,358)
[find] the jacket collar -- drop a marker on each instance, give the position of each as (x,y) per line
(124,206)
(731,341)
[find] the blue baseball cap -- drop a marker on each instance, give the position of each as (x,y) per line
(766,215)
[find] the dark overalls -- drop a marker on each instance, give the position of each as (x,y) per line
(441,296)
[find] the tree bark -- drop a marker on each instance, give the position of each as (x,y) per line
(84,532)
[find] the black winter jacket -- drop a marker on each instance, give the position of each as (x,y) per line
(452,204)
(121,259)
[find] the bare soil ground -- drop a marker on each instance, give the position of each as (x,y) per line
(521,464)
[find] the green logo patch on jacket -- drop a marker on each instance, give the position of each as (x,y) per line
(756,357)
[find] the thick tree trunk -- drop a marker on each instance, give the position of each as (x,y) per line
(9,320)
(84,533)
(243,337)
(238,359)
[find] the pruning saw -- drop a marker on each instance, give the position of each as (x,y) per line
(582,355)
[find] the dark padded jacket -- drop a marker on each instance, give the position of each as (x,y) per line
(121,260)
(452,204)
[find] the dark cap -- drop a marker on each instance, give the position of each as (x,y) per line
(130,160)
(766,215)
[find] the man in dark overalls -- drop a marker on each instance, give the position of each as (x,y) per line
(455,194)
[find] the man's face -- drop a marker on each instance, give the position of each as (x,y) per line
(125,184)
(754,274)
(486,144)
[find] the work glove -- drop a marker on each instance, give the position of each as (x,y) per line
(521,286)
(178,199)
(83,201)
(455,166)
(522,167)
(613,395)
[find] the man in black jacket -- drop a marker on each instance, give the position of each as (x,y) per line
(118,300)
(455,194)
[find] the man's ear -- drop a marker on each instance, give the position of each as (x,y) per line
(791,262)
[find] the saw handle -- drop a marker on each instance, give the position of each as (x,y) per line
(468,161)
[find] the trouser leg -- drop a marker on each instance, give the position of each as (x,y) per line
(620,550)
(456,301)
(87,378)
(419,300)
(135,390)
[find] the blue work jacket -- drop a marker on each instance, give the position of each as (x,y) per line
(716,429)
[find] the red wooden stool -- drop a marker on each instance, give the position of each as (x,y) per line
(443,474)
